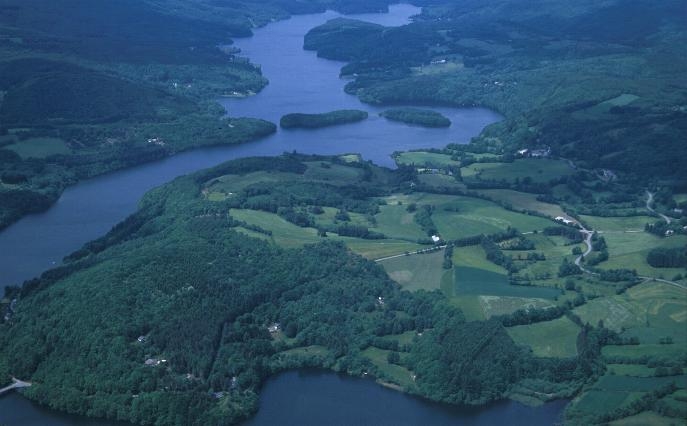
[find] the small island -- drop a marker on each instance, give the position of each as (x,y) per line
(416,116)
(315,121)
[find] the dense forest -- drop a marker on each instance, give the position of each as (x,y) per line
(325,119)
(416,116)
(170,318)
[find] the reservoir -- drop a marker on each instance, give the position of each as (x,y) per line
(299,82)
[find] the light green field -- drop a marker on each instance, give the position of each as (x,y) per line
(474,257)
(230,184)
(556,338)
(476,216)
(378,357)
(602,401)
(616,312)
(649,311)
(622,100)
(629,250)
(440,181)
(638,351)
(329,218)
(288,235)
(395,222)
(633,370)
(617,224)
(524,201)
(425,159)
(39,147)
(307,351)
(284,233)
(334,174)
(475,281)
(417,271)
(556,249)
(538,169)
(647,418)
(498,305)
(377,249)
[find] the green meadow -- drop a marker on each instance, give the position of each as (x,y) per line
(556,338)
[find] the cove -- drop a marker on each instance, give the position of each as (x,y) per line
(299,82)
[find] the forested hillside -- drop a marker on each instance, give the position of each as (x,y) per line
(598,82)
(182,310)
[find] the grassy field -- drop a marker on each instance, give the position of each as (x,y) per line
(286,234)
(632,370)
(556,338)
(395,221)
(438,180)
(524,201)
(377,249)
(498,305)
(617,224)
(39,147)
(539,170)
(328,218)
(638,351)
(475,216)
(631,249)
(336,174)
(649,311)
(396,373)
(416,272)
(425,159)
(555,249)
(458,216)
(647,418)
(477,281)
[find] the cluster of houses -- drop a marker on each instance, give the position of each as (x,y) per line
(274,328)
(565,221)
(534,153)
(154,362)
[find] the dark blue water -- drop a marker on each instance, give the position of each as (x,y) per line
(321,398)
(299,82)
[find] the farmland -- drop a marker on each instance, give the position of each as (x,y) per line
(555,338)
(422,271)
(425,159)
(537,170)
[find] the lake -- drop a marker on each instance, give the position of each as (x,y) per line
(299,82)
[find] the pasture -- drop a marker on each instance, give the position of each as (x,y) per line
(39,147)
(425,159)
(630,250)
(286,234)
(416,271)
(617,223)
(551,339)
(399,375)
(524,201)
(537,169)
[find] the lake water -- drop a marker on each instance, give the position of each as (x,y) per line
(299,82)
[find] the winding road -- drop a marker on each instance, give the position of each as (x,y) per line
(649,202)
